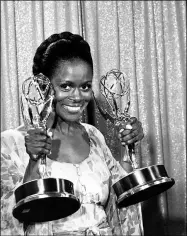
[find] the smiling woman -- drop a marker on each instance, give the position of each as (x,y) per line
(72,82)
(66,60)
(76,151)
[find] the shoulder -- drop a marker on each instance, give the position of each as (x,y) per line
(20,130)
(89,127)
(13,136)
(94,133)
(93,129)
(13,145)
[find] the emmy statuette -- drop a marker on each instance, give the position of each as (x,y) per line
(46,198)
(142,183)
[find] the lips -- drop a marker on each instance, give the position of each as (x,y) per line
(72,109)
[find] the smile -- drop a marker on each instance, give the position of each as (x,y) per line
(72,109)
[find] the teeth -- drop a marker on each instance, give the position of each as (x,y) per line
(72,109)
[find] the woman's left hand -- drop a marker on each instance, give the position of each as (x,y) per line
(131,133)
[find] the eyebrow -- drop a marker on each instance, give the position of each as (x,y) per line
(71,82)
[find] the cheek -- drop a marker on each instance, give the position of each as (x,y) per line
(60,96)
(88,96)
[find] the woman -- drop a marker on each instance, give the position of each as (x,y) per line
(76,151)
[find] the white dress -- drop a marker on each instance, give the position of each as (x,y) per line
(92,180)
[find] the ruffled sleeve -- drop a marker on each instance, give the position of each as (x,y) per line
(13,165)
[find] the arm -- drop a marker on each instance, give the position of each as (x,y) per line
(37,142)
(130,134)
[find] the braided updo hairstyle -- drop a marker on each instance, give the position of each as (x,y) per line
(60,47)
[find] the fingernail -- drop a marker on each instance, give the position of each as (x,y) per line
(49,133)
(128,126)
(121,130)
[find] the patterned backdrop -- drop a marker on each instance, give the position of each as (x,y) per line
(144,39)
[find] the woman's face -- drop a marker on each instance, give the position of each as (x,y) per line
(72,81)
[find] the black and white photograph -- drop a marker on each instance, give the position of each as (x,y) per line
(93,118)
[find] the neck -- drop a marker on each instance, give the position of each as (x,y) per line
(66,127)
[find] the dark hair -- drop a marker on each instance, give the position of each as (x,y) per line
(59,47)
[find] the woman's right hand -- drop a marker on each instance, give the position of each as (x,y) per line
(38,141)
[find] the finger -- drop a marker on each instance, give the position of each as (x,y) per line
(34,157)
(37,137)
(37,134)
(135,139)
(125,137)
(29,141)
(49,133)
(45,151)
(133,135)
(124,132)
(126,127)
(138,133)
(38,151)
(129,141)
(38,130)
(38,146)
(133,120)
(140,136)
(129,131)
(48,140)
(137,125)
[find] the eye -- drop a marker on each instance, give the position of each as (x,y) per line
(86,87)
(65,87)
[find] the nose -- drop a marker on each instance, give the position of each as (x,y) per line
(76,95)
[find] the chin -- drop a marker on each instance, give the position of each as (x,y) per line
(72,119)
(69,117)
